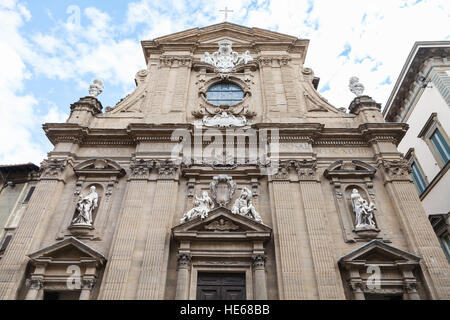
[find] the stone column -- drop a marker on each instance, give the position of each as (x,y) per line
(36,286)
(418,230)
(86,289)
(152,279)
(184,266)
(40,208)
(286,237)
(260,286)
(116,273)
(358,293)
(329,285)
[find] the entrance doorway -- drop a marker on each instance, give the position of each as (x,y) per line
(221,286)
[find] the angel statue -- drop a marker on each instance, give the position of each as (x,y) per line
(245,58)
(244,206)
(203,206)
(85,206)
(364,218)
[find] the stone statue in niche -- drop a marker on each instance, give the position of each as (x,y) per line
(364,211)
(244,206)
(85,207)
(203,206)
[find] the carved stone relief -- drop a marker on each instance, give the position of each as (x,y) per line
(222,189)
(225,59)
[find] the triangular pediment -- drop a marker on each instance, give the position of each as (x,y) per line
(222,220)
(70,249)
(377,251)
(226,30)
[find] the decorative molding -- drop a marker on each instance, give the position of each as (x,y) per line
(225,59)
(396,169)
(268,61)
(221,225)
(175,61)
(53,168)
(220,195)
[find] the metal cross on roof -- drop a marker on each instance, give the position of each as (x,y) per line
(226,12)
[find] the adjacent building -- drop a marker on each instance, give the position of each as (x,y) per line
(421,98)
(225,175)
(17,184)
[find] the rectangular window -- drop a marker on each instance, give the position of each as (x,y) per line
(418,179)
(29,194)
(5,243)
(445,243)
(441,146)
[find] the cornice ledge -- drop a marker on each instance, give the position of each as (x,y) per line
(155,132)
(65,132)
(313,127)
(389,131)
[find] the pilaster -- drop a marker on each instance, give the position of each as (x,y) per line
(118,268)
(325,266)
(418,230)
(154,267)
(287,240)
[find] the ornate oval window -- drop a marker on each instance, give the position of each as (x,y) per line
(224,94)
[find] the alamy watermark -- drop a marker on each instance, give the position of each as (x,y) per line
(74,19)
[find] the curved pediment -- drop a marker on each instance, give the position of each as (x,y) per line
(99,166)
(343,169)
(221,223)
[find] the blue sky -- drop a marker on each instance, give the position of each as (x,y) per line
(51,50)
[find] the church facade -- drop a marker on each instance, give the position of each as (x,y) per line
(224,175)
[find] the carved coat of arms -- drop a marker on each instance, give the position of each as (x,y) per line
(222,189)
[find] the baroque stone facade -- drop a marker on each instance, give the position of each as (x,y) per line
(268,187)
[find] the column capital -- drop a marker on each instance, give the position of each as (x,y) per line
(53,169)
(259,261)
(396,169)
(36,284)
(88,284)
(184,260)
(305,168)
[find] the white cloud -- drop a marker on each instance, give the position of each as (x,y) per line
(16,108)
(383,30)
(376,38)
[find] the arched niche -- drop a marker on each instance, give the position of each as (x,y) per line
(344,176)
(104,174)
